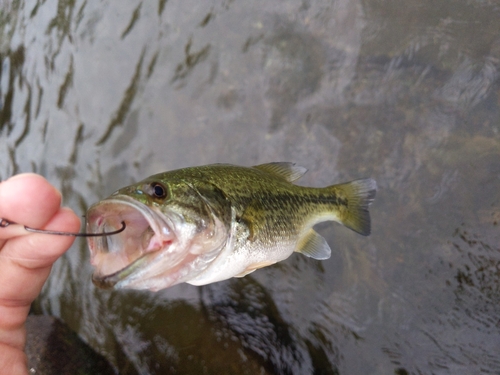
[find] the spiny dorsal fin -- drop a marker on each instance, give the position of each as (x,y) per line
(314,246)
(287,171)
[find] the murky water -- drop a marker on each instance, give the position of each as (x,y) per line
(97,95)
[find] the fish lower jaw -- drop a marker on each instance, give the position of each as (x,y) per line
(154,281)
(111,277)
(112,264)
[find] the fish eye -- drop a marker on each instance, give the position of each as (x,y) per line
(158,190)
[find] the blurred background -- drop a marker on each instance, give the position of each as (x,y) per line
(97,95)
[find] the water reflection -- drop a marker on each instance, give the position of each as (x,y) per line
(97,95)
(294,64)
(248,312)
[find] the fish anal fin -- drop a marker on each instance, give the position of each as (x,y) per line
(313,245)
(253,267)
(284,170)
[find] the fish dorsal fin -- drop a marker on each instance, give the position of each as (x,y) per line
(287,171)
(314,246)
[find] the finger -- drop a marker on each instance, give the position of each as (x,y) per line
(25,263)
(28,199)
(13,230)
(30,257)
(12,361)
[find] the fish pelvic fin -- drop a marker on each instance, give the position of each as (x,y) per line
(253,267)
(354,198)
(313,245)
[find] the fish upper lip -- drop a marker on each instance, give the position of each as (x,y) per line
(162,227)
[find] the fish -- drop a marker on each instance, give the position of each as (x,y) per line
(209,223)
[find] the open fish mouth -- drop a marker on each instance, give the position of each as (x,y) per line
(117,256)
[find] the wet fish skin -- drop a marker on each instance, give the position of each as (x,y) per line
(250,216)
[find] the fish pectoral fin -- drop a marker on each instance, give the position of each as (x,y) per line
(313,245)
(251,221)
(254,267)
(244,229)
(286,171)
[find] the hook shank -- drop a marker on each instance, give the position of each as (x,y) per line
(5,223)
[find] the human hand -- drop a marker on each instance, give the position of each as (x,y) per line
(26,258)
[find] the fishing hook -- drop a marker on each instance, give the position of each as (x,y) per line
(5,223)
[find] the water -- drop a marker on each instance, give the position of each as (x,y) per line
(97,95)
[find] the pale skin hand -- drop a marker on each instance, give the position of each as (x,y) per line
(26,258)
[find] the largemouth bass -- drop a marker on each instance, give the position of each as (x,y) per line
(205,224)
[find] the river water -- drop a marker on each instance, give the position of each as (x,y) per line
(95,95)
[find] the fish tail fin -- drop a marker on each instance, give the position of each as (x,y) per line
(354,198)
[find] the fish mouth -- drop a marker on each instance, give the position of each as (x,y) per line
(109,281)
(116,257)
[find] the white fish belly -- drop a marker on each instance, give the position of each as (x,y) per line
(238,261)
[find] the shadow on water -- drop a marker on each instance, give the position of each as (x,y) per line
(97,95)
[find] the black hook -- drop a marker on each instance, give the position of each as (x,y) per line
(5,223)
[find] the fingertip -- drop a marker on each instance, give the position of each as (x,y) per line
(28,199)
(25,175)
(33,178)
(72,220)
